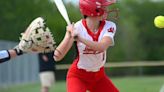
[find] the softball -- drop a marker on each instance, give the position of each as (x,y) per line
(159,21)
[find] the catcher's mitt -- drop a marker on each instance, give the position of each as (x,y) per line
(37,38)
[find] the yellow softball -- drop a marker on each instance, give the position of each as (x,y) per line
(159,21)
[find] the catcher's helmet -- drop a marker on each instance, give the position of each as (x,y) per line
(94,7)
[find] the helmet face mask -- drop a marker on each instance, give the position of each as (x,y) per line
(94,7)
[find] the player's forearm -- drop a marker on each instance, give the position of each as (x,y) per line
(12,53)
(98,46)
(63,48)
(6,55)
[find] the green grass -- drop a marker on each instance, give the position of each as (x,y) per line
(139,84)
(34,87)
(124,84)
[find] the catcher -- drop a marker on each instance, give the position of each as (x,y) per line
(36,39)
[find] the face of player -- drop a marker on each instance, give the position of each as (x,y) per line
(105,15)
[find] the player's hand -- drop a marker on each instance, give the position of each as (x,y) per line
(72,31)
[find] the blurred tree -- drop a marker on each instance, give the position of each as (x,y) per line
(16,16)
(137,38)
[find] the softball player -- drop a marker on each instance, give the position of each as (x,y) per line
(46,71)
(93,35)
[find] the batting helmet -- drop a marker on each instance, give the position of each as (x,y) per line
(94,7)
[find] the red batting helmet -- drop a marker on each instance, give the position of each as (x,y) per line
(94,7)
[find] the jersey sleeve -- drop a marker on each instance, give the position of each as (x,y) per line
(4,56)
(110,30)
